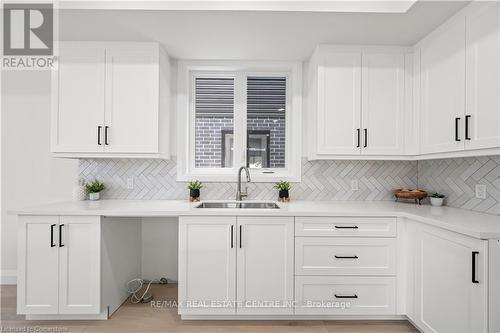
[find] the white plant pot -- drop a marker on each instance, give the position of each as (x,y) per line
(437,201)
(94,196)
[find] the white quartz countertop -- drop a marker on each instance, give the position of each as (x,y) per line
(478,225)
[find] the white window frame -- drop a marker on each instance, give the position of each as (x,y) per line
(188,70)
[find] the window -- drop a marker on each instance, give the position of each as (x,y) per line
(214,109)
(230,116)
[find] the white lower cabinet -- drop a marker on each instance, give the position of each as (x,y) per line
(79,264)
(207,265)
(38,265)
(235,265)
(345,256)
(334,295)
(345,265)
(59,265)
(265,265)
(451,279)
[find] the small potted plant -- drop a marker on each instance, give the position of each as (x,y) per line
(194,187)
(94,189)
(283,187)
(437,199)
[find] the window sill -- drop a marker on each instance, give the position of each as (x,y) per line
(257,176)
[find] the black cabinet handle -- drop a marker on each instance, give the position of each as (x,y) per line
(359,137)
(474,257)
(346,257)
(52,235)
(60,235)
(457,120)
(366,137)
(106,135)
(241,231)
(99,135)
(346,227)
(467,117)
(346,296)
(232,230)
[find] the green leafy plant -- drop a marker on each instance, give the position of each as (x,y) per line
(94,187)
(437,195)
(195,185)
(282,186)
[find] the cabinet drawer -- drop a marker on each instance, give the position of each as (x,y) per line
(339,226)
(345,256)
(322,295)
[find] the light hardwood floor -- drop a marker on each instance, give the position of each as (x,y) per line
(144,318)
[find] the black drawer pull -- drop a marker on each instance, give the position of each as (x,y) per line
(346,257)
(52,235)
(241,232)
(474,257)
(346,296)
(358,131)
(346,227)
(60,235)
(467,117)
(232,237)
(99,135)
(456,129)
(106,135)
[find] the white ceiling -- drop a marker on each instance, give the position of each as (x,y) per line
(254,34)
(350,6)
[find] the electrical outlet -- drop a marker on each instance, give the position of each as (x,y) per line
(480,191)
(354,185)
(130,183)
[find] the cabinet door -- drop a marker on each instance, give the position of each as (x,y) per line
(132,83)
(383,104)
(442,90)
(37,281)
(447,297)
(207,264)
(79,264)
(265,265)
(339,103)
(78,98)
(483,78)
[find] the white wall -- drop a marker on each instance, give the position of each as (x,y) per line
(30,176)
(159,248)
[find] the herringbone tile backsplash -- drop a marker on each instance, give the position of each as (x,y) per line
(457,178)
(321,180)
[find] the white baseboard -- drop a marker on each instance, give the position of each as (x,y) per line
(9,276)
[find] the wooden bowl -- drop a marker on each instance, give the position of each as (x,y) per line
(410,194)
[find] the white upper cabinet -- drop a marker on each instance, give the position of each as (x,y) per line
(339,103)
(460,83)
(78,99)
(356,102)
(131,117)
(442,89)
(111,99)
(383,95)
(482,109)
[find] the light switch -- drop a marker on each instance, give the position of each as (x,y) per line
(354,185)
(480,191)
(130,183)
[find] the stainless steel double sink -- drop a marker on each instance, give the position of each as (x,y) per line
(238,205)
